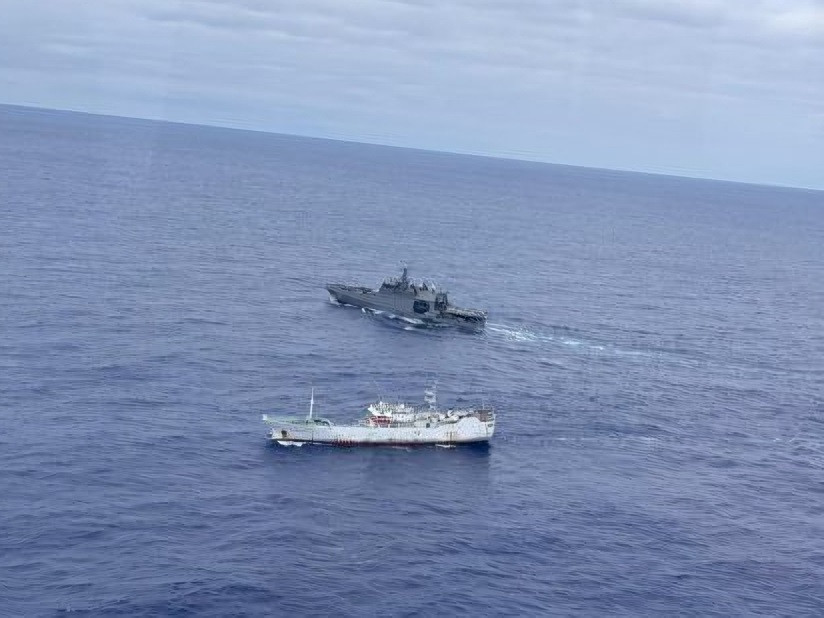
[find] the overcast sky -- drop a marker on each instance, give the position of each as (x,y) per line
(730,89)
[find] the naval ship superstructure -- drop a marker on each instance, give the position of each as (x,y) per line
(400,296)
(389,424)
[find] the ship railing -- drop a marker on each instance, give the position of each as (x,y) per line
(385,425)
(485,415)
(296,421)
(467,312)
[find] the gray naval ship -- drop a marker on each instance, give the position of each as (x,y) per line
(423,303)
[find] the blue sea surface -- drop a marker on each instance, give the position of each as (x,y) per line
(655,352)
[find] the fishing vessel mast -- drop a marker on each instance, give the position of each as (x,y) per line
(430,396)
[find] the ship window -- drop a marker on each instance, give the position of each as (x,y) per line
(420,306)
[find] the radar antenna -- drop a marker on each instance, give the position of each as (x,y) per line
(311,405)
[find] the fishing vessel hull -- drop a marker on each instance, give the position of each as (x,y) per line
(465,431)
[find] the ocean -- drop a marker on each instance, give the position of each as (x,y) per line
(654,351)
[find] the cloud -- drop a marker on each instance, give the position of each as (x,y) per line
(803,21)
(658,85)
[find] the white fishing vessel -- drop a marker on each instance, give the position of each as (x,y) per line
(389,424)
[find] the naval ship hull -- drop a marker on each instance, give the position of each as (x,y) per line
(404,306)
(469,430)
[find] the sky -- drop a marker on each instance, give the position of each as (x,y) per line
(727,89)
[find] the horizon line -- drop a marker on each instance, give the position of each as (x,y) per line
(414,148)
